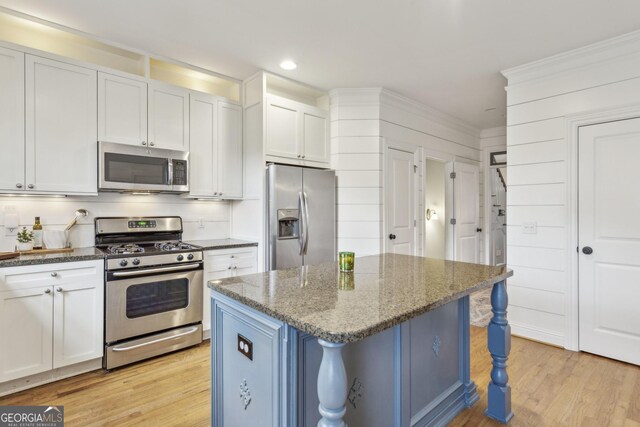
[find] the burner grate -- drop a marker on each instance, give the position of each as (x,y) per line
(130,248)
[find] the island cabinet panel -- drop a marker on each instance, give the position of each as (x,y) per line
(247,389)
(405,376)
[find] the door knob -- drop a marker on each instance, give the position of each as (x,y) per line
(392,236)
(587,250)
(479,230)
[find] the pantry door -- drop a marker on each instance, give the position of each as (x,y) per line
(609,239)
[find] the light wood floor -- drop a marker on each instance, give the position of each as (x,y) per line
(550,387)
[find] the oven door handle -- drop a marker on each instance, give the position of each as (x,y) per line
(159,340)
(155,270)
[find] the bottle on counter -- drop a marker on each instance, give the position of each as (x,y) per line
(37,234)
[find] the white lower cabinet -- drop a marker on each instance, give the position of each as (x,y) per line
(50,316)
(221,263)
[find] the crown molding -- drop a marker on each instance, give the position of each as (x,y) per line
(606,50)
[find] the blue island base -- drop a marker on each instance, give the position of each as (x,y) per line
(414,374)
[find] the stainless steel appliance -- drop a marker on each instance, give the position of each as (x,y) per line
(153,288)
(130,168)
(301,224)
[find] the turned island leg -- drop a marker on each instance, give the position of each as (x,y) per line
(332,385)
(499,343)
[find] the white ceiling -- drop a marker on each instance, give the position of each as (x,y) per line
(444,53)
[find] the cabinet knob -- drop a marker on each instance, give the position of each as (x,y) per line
(304,157)
(18,185)
(47,291)
(298,155)
(31,186)
(54,274)
(58,289)
(392,236)
(151,144)
(235,267)
(144,142)
(229,268)
(219,194)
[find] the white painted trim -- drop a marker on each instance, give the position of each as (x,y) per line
(572,332)
(574,59)
(529,332)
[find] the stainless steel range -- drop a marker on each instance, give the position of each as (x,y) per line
(153,289)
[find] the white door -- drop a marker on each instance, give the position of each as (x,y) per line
(122,110)
(168,117)
(26,317)
(77,319)
(400,195)
(203,170)
(229,158)
(61,127)
(466,212)
(11,120)
(314,135)
(282,128)
(609,209)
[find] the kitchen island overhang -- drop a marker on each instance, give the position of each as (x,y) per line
(389,341)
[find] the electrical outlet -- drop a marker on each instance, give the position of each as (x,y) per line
(245,347)
(529,228)
(200,222)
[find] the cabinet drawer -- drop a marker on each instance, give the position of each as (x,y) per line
(33,276)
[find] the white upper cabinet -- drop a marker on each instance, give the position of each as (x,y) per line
(203,176)
(296,131)
(314,134)
(61,127)
(229,150)
(122,110)
(168,117)
(11,120)
(216,148)
(282,139)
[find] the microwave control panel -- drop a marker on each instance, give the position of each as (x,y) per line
(179,172)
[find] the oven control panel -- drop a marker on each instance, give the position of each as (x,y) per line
(148,223)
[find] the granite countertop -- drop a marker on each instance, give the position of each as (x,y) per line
(388,289)
(78,254)
(222,243)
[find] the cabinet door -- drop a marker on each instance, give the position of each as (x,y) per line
(216,266)
(11,120)
(229,150)
(282,128)
(168,117)
(26,317)
(315,138)
(122,110)
(77,320)
(203,173)
(61,127)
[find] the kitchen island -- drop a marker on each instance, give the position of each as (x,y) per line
(386,345)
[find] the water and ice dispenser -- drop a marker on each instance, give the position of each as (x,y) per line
(288,224)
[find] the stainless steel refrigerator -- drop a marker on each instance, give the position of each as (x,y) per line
(301,224)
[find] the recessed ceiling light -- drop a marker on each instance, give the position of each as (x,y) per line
(288,65)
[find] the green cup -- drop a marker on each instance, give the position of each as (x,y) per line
(346,261)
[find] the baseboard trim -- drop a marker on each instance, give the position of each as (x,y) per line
(536,334)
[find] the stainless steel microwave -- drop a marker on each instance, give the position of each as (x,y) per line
(128,168)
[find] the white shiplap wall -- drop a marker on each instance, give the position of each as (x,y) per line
(542,97)
(56,212)
(362,122)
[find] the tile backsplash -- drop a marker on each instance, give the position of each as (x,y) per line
(55,213)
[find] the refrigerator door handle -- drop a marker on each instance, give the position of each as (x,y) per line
(306,223)
(303,223)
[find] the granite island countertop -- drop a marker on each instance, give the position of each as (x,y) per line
(212,244)
(78,254)
(383,291)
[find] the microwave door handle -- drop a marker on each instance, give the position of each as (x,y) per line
(170,173)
